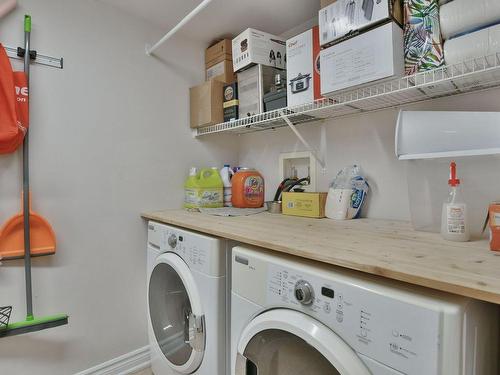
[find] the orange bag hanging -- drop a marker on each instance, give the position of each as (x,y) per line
(8,117)
(13,105)
(22,102)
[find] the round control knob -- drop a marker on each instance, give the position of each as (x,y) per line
(172,241)
(304,292)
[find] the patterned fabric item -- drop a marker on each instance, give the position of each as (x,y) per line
(423,47)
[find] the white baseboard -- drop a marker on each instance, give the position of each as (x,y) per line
(126,364)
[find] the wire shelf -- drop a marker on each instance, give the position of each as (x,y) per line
(472,75)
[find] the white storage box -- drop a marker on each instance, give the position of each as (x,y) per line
(374,55)
(253,83)
(344,16)
(257,47)
(303,76)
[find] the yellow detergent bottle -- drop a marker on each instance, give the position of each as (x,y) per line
(191,190)
(204,189)
(211,188)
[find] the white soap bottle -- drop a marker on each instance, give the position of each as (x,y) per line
(226,174)
(454,221)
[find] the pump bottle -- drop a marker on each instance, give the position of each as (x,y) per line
(454,221)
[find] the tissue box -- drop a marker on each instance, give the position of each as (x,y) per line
(302,53)
(494,221)
(304,204)
(346,16)
(257,47)
(374,55)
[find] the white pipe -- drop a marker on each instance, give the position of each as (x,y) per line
(7,6)
(302,139)
(194,12)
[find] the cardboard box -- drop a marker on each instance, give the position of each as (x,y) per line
(303,75)
(374,55)
(219,51)
(257,47)
(219,62)
(206,104)
(253,83)
(325,3)
(304,204)
(494,223)
(343,17)
(231,102)
(221,71)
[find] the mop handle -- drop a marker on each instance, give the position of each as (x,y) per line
(26,180)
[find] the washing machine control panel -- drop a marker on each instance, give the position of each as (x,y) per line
(400,335)
(202,253)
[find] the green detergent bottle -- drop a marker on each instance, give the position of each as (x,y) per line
(204,189)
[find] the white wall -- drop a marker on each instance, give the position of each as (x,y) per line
(109,140)
(367,140)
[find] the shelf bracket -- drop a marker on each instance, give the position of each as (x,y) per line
(194,12)
(316,156)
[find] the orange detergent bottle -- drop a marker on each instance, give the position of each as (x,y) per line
(248,189)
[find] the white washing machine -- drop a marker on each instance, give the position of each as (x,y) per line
(186,302)
(298,317)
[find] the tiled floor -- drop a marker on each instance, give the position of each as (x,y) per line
(144,372)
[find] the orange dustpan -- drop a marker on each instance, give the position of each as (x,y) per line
(43,238)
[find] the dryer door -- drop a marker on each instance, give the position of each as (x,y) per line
(176,314)
(289,342)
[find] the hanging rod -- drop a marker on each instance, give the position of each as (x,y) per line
(194,12)
(37,58)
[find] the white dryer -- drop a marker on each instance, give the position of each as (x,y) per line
(186,302)
(296,317)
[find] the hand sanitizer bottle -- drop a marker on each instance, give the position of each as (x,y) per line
(454,223)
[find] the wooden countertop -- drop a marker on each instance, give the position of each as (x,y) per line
(391,249)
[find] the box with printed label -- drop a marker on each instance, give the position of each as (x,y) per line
(230,97)
(494,222)
(257,47)
(372,56)
(304,204)
(253,83)
(221,71)
(219,62)
(303,75)
(343,17)
(206,104)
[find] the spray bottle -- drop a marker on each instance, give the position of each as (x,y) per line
(454,222)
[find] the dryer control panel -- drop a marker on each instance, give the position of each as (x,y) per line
(376,325)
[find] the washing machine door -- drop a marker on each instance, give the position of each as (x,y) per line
(288,342)
(176,314)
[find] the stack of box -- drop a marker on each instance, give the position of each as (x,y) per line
(257,58)
(207,98)
(362,41)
